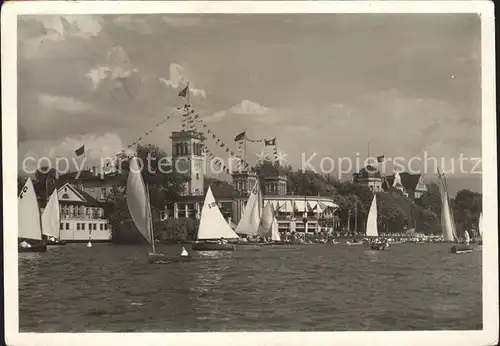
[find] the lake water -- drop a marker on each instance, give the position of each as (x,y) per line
(322,287)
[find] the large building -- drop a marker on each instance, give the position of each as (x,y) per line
(81,216)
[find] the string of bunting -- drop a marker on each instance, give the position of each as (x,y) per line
(147,133)
(218,162)
(211,135)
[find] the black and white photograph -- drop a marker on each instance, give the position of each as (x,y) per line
(233,167)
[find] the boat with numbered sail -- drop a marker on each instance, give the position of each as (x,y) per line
(51,217)
(137,195)
(29,223)
(372,227)
(250,220)
(448,221)
(214,231)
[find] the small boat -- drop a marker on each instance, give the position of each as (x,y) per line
(372,226)
(140,211)
(268,226)
(448,221)
(480,229)
(51,221)
(461,248)
(29,223)
(251,218)
(213,231)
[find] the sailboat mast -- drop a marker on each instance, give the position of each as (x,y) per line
(149,221)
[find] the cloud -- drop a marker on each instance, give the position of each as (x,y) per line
(179,78)
(64,104)
(245,107)
(116,66)
(96,147)
(39,34)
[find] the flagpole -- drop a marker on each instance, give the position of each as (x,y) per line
(244,148)
(368,150)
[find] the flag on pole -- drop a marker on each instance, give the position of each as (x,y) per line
(381,158)
(240,136)
(270,142)
(184,92)
(80,150)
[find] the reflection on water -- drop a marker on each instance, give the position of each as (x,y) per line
(319,287)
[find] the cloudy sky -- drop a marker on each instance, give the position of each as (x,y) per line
(329,84)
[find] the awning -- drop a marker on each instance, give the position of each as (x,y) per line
(312,204)
(284,206)
(300,206)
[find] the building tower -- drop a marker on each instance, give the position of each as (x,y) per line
(243,181)
(188,158)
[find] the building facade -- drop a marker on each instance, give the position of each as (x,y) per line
(411,185)
(370,177)
(82,216)
(188,158)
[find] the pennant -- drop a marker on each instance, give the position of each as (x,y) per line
(80,151)
(381,158)
(270,142)
(184,92)
(240,136)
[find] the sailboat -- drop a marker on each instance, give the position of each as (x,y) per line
(480,229)
(268,227)
(30,229)
(140,211)
(51,221)
(372,226)
(251,218)
(214,230)
(447,220)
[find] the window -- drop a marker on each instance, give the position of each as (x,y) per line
(77,226)
(95,226)
(67,225)
(65,196)
(105,226)
(197,176)
(61,226)
(83,227)
(101,226)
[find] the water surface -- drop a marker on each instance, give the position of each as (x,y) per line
(322,287)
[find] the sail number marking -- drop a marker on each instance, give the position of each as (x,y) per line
(23,191)
(211,205)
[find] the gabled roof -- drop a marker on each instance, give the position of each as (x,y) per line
(84,197)
(409,181)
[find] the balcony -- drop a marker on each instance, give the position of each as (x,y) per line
(81,217)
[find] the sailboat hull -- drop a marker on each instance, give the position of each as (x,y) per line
(162,258)
(33,248)
(56,242)
(461,248)
(212,247)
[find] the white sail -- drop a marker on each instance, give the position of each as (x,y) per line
(467,236)
(212,223)
(371,222)
(480,225)
(51,217)
(266,221)
(447,221)
(28,213)
(250,220)
(137,201)
(275,234)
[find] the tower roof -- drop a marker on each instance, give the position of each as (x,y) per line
(369,172)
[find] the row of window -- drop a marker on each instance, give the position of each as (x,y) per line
(183,149)
(81,226)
